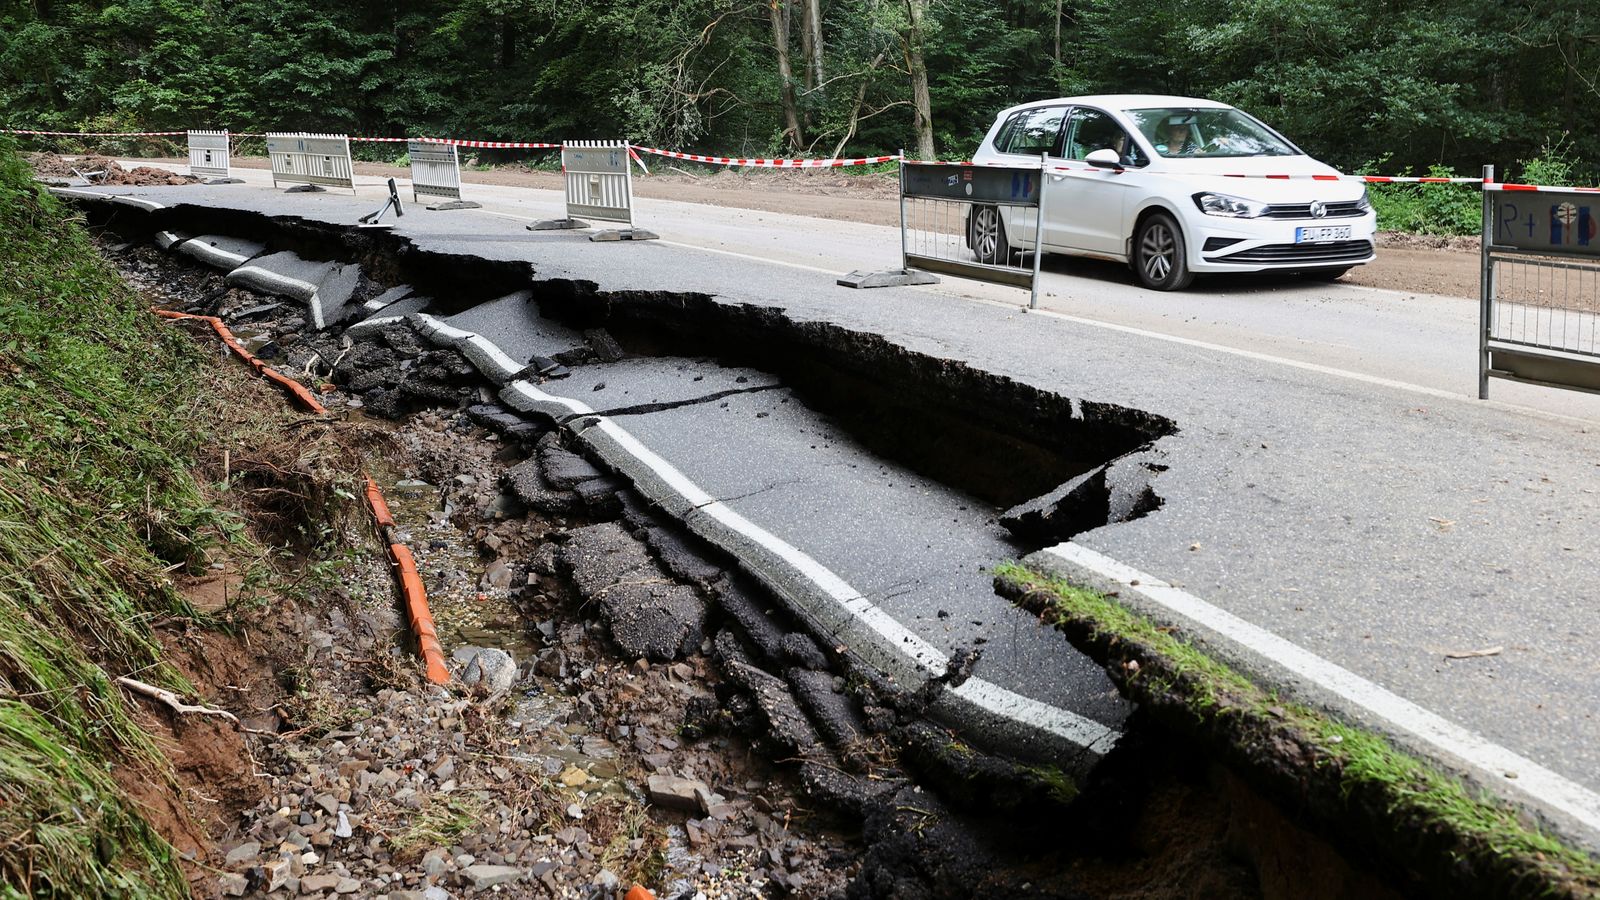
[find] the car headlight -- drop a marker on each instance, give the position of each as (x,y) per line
(1232,207)
(1365,203)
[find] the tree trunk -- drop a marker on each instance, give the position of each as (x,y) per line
(811,41)
(921,100)
(1058,31)
(779,13)
(508,42)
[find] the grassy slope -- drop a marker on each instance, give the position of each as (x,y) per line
(1456,840)
(96,436)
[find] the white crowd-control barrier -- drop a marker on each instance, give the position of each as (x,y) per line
(599,180)
(208,154)
(599,185)
(436,174)
(317,160)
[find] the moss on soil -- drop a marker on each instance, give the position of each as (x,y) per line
(1432,831)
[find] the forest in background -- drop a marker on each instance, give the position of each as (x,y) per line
(1367,85)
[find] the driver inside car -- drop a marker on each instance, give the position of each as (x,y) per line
(1177,138)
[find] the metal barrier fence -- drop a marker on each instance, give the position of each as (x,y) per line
(208,154)
(436,173)
(1540,288)
(311,159)
(599,180)
(972,221)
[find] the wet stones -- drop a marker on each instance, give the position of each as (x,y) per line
(489,669)
(648,615)
(684,794)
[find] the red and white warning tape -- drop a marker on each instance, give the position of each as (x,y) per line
(859,161)
(1502,186)
(95,133)
(770,163)
(497,145)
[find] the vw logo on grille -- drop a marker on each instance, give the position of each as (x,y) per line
(1319,209)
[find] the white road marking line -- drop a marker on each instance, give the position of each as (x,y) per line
(1530,778)
(893,636)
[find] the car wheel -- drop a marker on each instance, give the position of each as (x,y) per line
(986,235)
(1159,256)
(1327,274)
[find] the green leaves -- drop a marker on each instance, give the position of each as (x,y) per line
(1423,82)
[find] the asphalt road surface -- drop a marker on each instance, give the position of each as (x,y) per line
(1331,481)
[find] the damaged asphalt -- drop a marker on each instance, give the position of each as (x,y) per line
(1378,528)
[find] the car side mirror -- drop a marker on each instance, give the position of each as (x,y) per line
(1105,159)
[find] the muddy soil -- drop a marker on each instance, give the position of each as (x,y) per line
(1407,263)
(578,751)
(104,170)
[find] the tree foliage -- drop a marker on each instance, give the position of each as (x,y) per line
(1408,84)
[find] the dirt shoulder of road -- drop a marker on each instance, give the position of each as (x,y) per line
(1406,263)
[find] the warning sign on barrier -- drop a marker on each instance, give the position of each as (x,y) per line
(208,154)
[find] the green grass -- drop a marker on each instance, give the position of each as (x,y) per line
(443,819)
(98,429)
(1415,794)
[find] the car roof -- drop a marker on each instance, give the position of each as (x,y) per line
(1123,101)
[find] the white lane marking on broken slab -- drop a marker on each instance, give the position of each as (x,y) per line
(273,283)
(1063,723)
(664,470)
(484,353)
(981,693)
(533,395)
(148,205)
(922,656)
(1531,779)
(213,255)
(367,325)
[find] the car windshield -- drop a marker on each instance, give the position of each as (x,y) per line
(1208,133)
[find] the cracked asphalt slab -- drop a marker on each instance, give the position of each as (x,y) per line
(915,548)
(1375,526)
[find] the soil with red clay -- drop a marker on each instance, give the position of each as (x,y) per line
(1408,263)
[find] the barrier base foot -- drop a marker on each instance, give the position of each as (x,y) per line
(211,181)
(455,204)
(625,234)
(891,278)
(383,225)
(558,225)
(306,189)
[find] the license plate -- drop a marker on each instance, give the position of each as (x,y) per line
(1322,233)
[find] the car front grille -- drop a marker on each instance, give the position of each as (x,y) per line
(1340,210)
(1330,252)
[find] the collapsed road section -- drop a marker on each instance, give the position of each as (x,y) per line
(527,363)
(869,488)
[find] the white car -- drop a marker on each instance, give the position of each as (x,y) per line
(1147,183)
